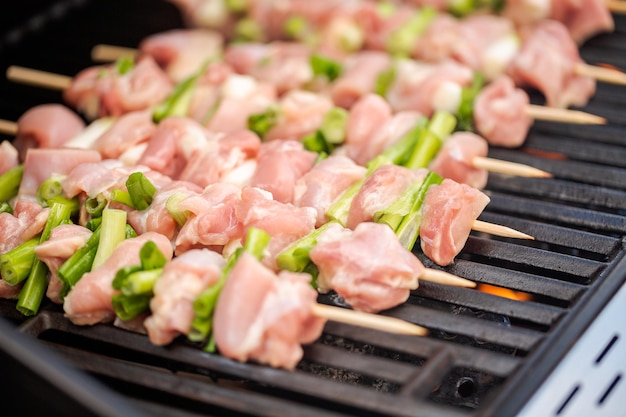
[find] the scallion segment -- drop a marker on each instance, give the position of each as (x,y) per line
(402,40)
(141,190)
(178,102)
(135,283)
(10,183)
(15,265)
(261,123)
(441,125)
(36,284)
(325,67)
(465,112)
(113,231)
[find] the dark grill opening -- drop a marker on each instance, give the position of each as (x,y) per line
(486,355)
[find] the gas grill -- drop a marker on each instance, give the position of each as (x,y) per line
(559,354)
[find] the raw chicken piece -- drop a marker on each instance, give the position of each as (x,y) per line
(448,214)
(128,131)
(264,317)
(90,300)
(380,190)
(101,91)
(9,157)
(182,280)
(284,222)
(40,164)
(547,62)
(455,159)
(212,221)
(321,186)
(350,263)
(501,113)
(46,126)
(359,77)
(279,166)
(63,242)
(183,51)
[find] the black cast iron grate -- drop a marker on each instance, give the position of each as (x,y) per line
(482,350)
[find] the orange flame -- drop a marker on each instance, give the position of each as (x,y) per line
(505,292)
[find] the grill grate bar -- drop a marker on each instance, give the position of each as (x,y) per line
(564,191)
(606,155)
(523,310)
(190,389)
(421,383)
(557,213)
(516,280)
(558,235)
(465,356)
(376,367)
(580,270)
(480,330)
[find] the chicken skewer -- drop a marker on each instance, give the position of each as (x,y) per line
(63,82)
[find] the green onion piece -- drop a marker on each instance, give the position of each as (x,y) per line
(5,207)
(172,205)
(385,9)
(48,189)
(129,307)
(141,190)
(130,232)
(113,231)
(15,265)
(201,327)
(122,275)
(94,223)
(256,242)
(124,65)
(248,30)
(122,196)
(315,143)
(81,261)
(333,127)
(325,67)
(296,27)
(460,8)
(399,209)
(384,81)
(35,285)
(261,123)
(340,208)
(10,183)
(402,40)
(177,104)
(400,152)
(295,257)
(72,204)
(141,282)
(441,125)
(408,230)
(151,256)
(95,205)
(236,6)
(465,112)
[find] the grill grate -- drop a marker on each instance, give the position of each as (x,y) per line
(485,355)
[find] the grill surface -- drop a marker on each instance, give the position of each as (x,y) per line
(485,356)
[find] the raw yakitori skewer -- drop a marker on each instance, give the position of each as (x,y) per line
(61,82)
(110,53)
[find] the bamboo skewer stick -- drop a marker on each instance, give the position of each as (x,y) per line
(8,127)
(607,75)
(110,53)
(555,114)
(616,6)
(509,168)
(372,321)
(499,230)
(445,278)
